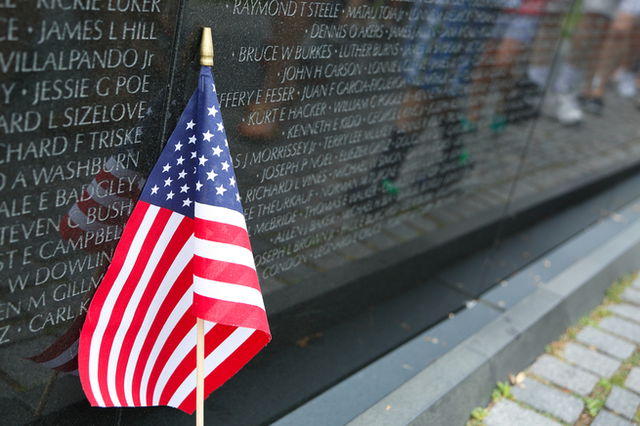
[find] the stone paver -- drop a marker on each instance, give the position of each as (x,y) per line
(605,418)
(632,295)
(549,400)
(605,342)
(558,385)
(621,327)
(564,375)
(633,380)
(508,413)
(623,402)
(626,310)
(593,361)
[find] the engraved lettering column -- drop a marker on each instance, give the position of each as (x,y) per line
(81,94)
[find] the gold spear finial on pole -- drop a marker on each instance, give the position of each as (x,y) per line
(206,48)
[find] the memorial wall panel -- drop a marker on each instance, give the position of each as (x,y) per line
(365,134)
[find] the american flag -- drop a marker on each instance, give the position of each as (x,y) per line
(184,253)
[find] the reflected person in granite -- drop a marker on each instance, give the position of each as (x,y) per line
(438,62)
(503,67)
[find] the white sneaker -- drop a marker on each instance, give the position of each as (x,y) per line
(627,84)
(568,111)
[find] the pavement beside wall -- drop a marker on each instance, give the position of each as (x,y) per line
(589,376)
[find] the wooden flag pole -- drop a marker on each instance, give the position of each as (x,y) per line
(200,373)
(206,59)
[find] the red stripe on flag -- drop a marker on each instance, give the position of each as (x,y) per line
(102,291)
(181,286)
(213,338)
(221,232)
(233,313)
(228,367)
(159,222)
(122,303)
(182,328)
(180,237)
(225,272)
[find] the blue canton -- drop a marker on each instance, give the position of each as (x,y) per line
(195,165)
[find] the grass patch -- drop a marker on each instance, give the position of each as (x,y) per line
(620,376)
(502,390)
(595,401)
(477,415)
(614,293)
(593,405)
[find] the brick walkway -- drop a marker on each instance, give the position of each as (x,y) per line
(590,376)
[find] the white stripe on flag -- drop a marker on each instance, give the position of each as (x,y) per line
(224,252)
(133,303)
(229,292)
(178,312)
(215,358)
(187,344)
(220,214)
(110,300)
(180,262)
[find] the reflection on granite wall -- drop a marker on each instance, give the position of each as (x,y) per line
(356,127)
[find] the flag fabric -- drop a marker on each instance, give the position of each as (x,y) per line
(183,254)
